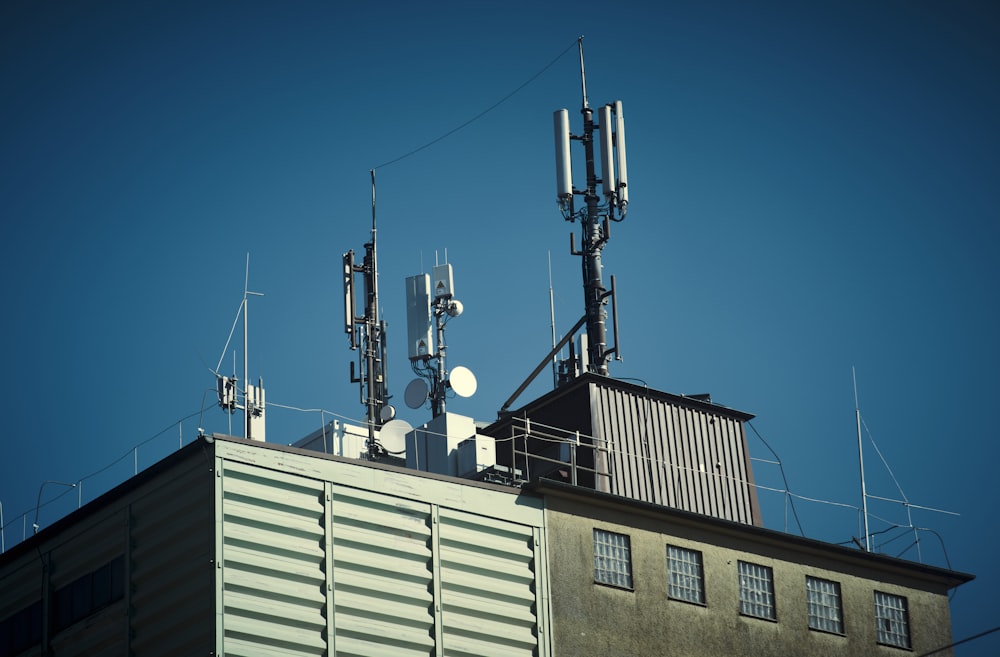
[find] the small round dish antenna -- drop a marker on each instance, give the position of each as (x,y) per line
(387,413)
(463,381)
(416,393)
(392,436)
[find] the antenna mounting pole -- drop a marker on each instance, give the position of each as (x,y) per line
(252,398)
(602,207)
(371,330)
(861,462)
(593,242)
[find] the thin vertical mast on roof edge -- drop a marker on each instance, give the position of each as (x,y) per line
(861,463)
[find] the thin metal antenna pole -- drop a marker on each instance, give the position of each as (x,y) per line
(374,376)
(371,320)
(246,374)
(861,462)
(593,242)
(552,325)
(248,407)
(438,400)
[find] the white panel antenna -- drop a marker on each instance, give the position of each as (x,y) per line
(622,182)
(443,281)
(430,304)
(564,165)
(349,296)
(607,154)
(418,317)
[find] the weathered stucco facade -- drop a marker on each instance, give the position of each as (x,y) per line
(592,619)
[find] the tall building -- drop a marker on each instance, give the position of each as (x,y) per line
(606,519)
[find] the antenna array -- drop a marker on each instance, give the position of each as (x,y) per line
(600,210)
(367,335)
(430,297)
(253,404)
(595,220)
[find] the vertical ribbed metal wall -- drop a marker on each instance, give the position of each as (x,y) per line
(382,575)
(271,590)
(487,586)
(665,453)
(310,566)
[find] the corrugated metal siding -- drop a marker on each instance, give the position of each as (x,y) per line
(487,586)
(273,559)
(382,574)
(666,454)
(171,566)
(320,563)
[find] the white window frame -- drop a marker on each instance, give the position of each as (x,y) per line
(892,620)
(612,559)
(685,575)
(825,606)
(756,590)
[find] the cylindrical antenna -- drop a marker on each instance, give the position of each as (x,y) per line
(583,73)
(564,163)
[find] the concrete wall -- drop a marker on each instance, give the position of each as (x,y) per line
(593,619)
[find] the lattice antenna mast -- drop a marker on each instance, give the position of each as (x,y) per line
(599,212)
(368,334)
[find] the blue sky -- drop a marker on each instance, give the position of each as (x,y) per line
(814,187)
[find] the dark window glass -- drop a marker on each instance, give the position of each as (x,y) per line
(89,594)
(118,579)
(101,593)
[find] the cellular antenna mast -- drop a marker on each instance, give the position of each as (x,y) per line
(367,335)
(599,212)
(595,220)
(430,305)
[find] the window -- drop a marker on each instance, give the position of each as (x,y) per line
(685,580)
(756,590)
(612,559)
(892,623)
(823,602)
(22,630)
(88,594)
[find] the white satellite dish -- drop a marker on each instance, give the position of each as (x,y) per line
(392,436)
(416,393)
(463,381)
